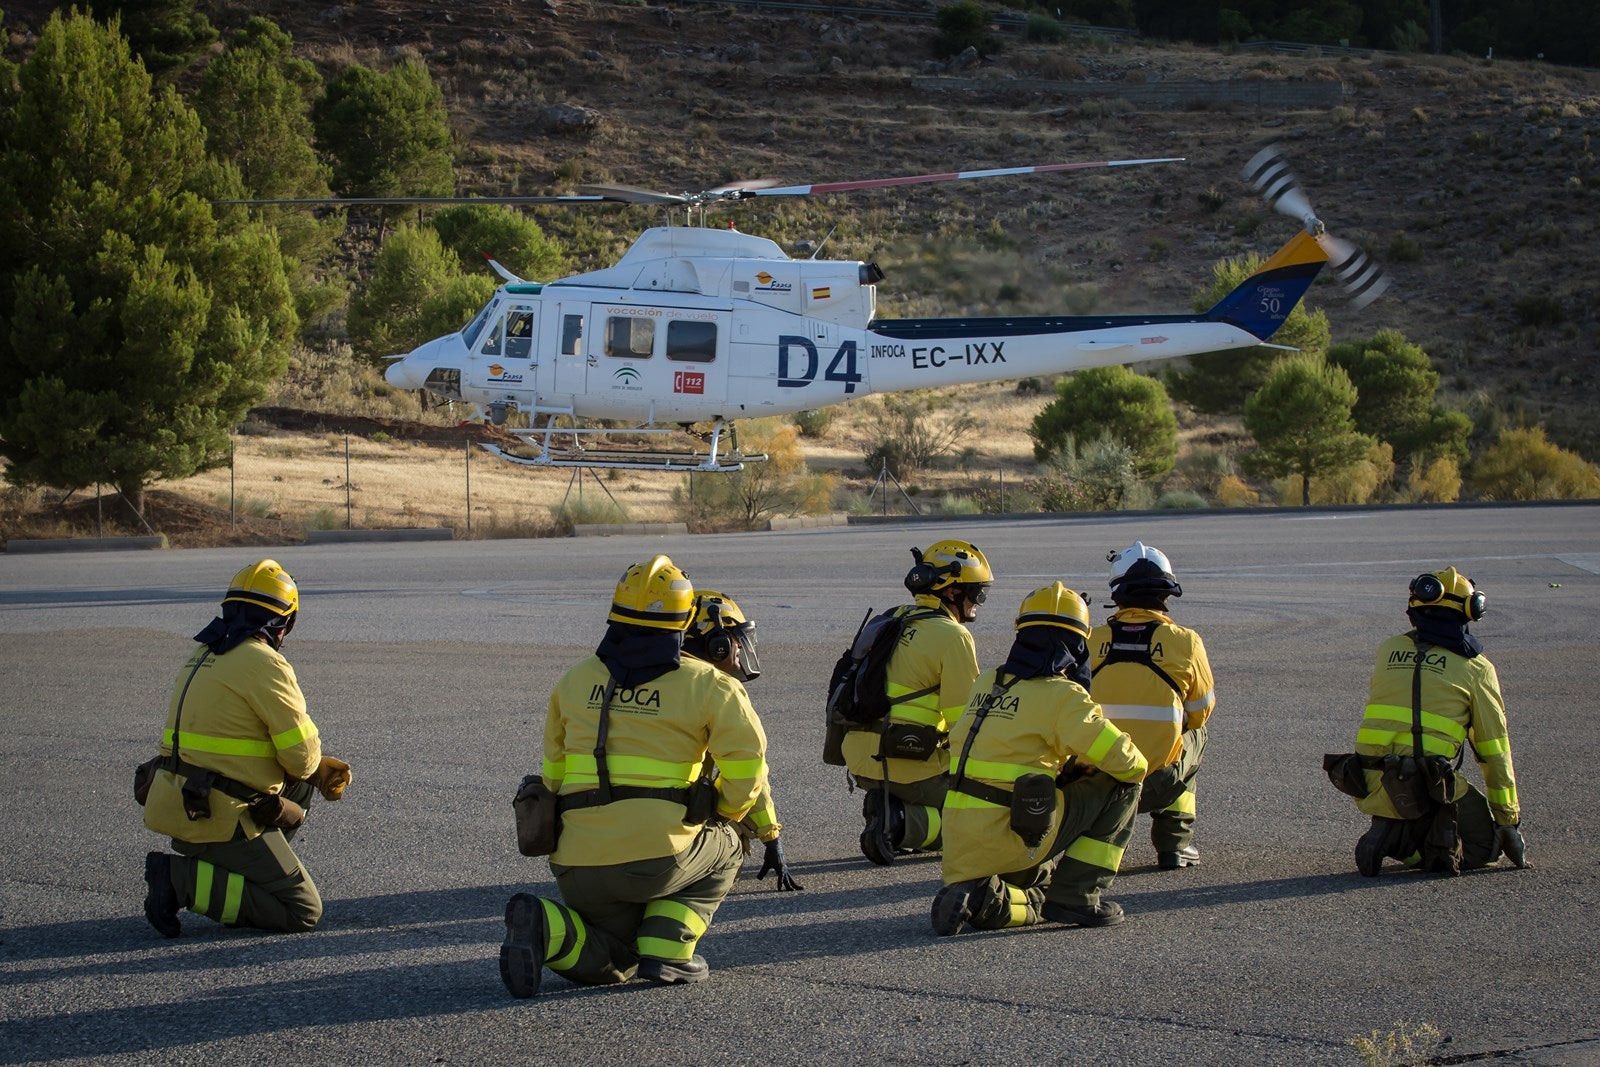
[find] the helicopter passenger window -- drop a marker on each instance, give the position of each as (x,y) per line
(630,336)
(519,335)
(572,335)
(692,342)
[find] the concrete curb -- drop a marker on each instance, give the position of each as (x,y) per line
(807,522)
(333,537)
(21,546)
(609,529)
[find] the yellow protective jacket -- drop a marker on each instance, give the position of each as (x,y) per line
(1033,728)
(1461,704)
(244,717)
(659,735)
(762,819)
(935,652)
(1131,692)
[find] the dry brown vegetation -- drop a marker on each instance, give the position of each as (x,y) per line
(1476,184)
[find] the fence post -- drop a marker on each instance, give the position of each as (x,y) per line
(469,484)
(347,520)
(1002,490)
(233,491)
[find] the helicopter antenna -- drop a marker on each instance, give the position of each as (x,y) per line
(818,250)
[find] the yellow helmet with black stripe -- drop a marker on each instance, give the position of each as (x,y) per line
(266,585)
(654,593)
(1054,605)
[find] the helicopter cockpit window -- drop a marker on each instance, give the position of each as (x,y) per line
(692,342)
(446,381)
(519,334)
(572,335)
(475,327)
(630,336)
(491,339)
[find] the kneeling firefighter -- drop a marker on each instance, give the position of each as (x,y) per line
(239,760)
(1152,678)
(645,853)
(1433,693)
(903,759)
(725,637)
(1043,787)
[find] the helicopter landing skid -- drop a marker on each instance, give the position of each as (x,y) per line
(624,459)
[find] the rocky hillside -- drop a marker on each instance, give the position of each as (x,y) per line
(1475,183)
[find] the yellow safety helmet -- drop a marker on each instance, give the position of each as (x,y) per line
(1054,605)
(653,593)
(1448,588)
(266,585)
(716,624)
(948,563)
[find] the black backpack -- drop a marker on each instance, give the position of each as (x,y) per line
(858,692)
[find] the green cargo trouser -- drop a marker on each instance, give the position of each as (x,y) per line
(257,882)
(1168,796)
(656,908)
(1082,859)
(1474,828)
(924,805)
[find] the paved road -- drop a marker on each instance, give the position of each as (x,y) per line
(428,665)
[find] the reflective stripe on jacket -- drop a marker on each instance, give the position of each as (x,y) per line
(658,735)
(1461,703)
(1178,650)
(1033,728)
(935,652)
(244,717)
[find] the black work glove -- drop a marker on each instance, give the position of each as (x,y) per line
(1513,846)
(773,861)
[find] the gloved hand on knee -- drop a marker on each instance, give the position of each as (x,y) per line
(1513,846)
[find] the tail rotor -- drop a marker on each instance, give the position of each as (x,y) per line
(1269,172)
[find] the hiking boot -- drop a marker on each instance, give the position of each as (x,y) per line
(1372,847)
(952,907)
(522,954)
(1187,856)
(160,899)
(674,972)
(877,840)
(1105,913)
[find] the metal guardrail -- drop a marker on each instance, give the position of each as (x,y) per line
(1011,23)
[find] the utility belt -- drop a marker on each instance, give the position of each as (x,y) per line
(699,800)
(267,809)
(1415,787)
(1032,801)
(908,740)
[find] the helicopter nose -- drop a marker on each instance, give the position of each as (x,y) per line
(405,372)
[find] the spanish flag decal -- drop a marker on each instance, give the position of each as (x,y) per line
(821,294)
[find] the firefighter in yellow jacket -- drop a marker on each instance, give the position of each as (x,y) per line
(1434,688)
(725,637)
(238,744)
(928,677)
(627,734)
(1153,679)
(1043,787)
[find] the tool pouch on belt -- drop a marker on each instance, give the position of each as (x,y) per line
(276,810)
(702,803)
(910,740)
(1441,779)
(833,741)
(197,794)
(538,828)
(144,776)
(1407,787)
(1033,804)
(1347,773)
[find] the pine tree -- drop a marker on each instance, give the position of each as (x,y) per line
(1301,420)
(140,329)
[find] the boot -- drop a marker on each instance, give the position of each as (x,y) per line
(1373,846)
(1187,856)
(160,899)
(522,954)
(885,829)
(952,907)
(674,972)
(1105,913)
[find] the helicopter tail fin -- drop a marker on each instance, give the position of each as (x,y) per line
(1262,301)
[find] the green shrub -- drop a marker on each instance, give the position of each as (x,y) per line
(814,423)
(1174,499)
(961,26)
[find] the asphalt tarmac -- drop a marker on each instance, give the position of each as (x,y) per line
(428,666)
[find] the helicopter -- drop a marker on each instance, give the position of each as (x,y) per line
(696,325)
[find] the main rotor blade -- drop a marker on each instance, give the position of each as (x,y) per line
(631,194)
(951,176)
(409,201)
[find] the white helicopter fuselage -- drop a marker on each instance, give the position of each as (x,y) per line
(696,324)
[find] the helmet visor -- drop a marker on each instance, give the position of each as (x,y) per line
(749,663)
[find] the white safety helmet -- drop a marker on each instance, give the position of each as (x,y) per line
(1140,570)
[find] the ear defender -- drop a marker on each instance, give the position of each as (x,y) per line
(921,576)
(719,642)
(1428,591)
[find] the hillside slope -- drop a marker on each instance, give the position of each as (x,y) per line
(1476,184)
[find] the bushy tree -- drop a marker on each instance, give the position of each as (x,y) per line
(1111,402)
(909,431)
(781,485)
(140,327)
(1101,475)
(473,231)
(388,132)
(1395,386)
(166,34)
(418,291)
(1301,420)
(255,100)
(1220,382)
(1524,465)
(963,25)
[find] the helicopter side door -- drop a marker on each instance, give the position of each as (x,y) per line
(571,356)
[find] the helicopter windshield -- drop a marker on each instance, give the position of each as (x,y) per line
(475,327)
